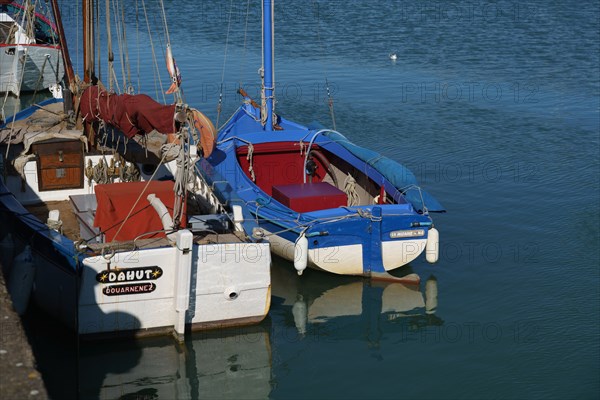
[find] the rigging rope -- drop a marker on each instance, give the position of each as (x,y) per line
(156,69)
(166,26)
(137,35)
(14,116)
(120,30)
(109,46)
(127,86)
(245,41)
(40,77)
(97,30)
(141,194)
(327,88)
(219,105)
(183,177)
(77,34)
(350,190)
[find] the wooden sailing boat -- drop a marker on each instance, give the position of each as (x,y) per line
(322,201)
(111,246)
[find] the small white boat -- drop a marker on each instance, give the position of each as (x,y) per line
(30,53)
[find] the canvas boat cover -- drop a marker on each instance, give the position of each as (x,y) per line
(131,114)
(397,174)
(115,201)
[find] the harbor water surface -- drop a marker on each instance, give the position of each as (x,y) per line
(495,108)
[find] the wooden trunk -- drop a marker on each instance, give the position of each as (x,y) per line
(59,164)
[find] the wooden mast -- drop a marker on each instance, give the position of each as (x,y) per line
(88,60)
(88,40)
(71,84)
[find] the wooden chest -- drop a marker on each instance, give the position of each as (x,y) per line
(59,164)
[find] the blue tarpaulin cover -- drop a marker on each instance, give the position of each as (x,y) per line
(397,174)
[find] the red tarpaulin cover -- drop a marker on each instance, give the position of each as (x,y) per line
(139,114)
(131,114)
(115,201)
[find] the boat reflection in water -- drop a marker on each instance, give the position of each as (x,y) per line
(232,363)
(348,307)
(318,322)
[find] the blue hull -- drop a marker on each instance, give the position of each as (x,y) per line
(362,239)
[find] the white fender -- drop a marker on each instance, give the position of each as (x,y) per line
(54,215)
(238,217)
(170,63)
(432,248)
(163,213)
(301,254)
(54,221)
(21,280)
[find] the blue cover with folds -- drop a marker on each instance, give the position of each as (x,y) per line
(397,174)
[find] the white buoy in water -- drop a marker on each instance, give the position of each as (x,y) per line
(21,280)
(7,252)
(431,294)
(432,248)
(301,254)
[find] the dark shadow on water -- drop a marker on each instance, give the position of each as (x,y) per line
(230,363)
(60,356)
(56,347)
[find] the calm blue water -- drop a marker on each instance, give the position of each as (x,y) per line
(495,107)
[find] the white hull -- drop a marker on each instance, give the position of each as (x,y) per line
(223,285)
(28,68)
(209,286)
(217,271)
(348,260)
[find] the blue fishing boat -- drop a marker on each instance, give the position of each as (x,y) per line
(322,201)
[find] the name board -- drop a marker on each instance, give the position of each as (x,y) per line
(130,274)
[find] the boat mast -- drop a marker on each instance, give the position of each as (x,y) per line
(88,40)
(268,67)
(63,48)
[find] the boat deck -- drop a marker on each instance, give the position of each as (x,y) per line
(71,229)
(70,225)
